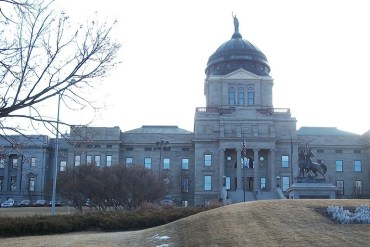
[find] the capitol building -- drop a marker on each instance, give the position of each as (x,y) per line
(240,142)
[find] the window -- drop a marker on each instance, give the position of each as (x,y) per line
(33,161)
(166,164)
(185,149)
(63,166)
(148,163)
(250,97)
(109,146)
(97,160)
(128,160)
(31,184)
(240,96)
(13,183)
(358,166)
(357,151)
(207,183)
(88,159)
(285,183)
(185,164)
(129,149)
(358,187)
(207,160)
(339,165)
(185,185)
(148,149)
(231,96)
(77,160)
(97,146)
(14,163)
(228,183)
(2,163)
(320,151)
(109,160)
(263,183)
(1,183)
(338,151)
(284,161)
(89,146)
(340,186)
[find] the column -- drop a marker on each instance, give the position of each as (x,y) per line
(272,170)
(222,166)
(256,179)
(238,170)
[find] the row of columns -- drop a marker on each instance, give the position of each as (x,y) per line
(256,172)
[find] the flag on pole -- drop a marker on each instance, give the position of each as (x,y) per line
(244,151)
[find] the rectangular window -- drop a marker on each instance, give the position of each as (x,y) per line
(185,164)
(228,183)
(339,165)
(357,151)
(148,163)
(109,160)
(97,146)
(358,166)
(77,160)
(166,164)
(185,185)
(284,161)
(207,183)
(320,151)
(285,183)
(109,146)
(185,149)
(338,151)
(13,183)
(128,160)
(250,98)
(14,163)
(340,186)
(88,159)
(263,183)
(1,183)
(129,149)
(2,163)
(63,166)
(207,160)
(148,149)
(31,184)
(358,187)
(33,161)
(97,160)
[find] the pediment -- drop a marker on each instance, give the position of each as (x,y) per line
(242,74)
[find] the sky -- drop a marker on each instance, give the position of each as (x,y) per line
(318,52)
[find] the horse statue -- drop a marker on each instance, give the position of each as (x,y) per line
(306,164)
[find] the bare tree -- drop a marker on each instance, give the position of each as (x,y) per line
(42,55)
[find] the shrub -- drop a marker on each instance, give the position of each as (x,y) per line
(361,215)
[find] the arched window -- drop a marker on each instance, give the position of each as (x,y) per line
(250,95)
(241,96)
(231,96)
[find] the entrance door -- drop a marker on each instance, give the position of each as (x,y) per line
(250,184)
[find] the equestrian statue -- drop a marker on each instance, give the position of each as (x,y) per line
(306,165)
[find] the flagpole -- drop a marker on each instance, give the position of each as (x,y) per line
(244,154)
(291,156)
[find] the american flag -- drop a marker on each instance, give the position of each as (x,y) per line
(244,148)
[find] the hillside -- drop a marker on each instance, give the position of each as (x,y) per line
(261,223)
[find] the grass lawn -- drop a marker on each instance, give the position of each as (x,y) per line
(262,223)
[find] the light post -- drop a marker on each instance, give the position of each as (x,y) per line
(53,199)
(160,145)
(278,181)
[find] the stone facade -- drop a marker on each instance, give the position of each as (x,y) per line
(240,140)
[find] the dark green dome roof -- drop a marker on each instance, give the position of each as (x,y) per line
(235,54)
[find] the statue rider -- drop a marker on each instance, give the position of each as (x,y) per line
(309,156)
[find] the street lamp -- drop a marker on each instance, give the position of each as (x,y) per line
(278,181)
(53,199)
(161,145)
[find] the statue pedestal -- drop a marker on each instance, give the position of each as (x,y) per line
(312,191)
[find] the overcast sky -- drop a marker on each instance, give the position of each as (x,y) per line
(318,52)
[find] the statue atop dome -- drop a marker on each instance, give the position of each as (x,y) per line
(236,23)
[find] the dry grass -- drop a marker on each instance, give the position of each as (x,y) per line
(263,223)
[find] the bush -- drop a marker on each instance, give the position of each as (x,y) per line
(100,221)
(361,215)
